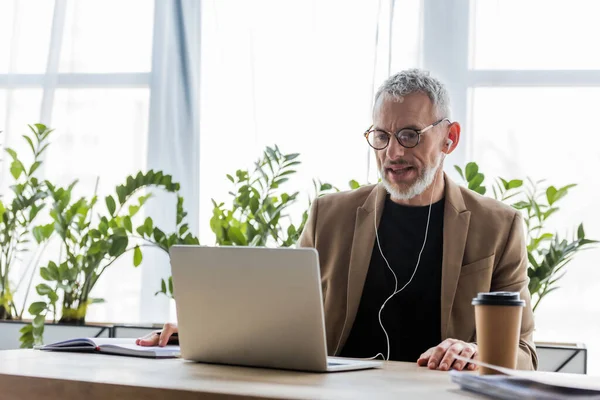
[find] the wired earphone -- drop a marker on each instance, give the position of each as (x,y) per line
(449,143)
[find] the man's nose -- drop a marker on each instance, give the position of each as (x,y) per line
(394,150)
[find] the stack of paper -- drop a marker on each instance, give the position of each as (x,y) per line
(513,384)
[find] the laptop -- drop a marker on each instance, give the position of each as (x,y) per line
(253,306)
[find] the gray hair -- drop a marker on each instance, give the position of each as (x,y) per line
(416,80)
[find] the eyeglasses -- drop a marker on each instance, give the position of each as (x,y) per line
(409,138)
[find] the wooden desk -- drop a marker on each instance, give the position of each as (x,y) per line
(32,374)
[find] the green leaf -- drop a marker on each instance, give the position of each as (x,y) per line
(325,186)
(279,182)
(551,194)
(288,172)
(45,274)
(143,199)
(111,205)
(42,289)
(127,224)
(515,183)
(63,272)
(550,212)
(137,256)
(12,153)
(149,225)
(53,270)
(119,245)
(65,288)
(290,157)
(43,148)
(37,232)
(97,301)
(562,192)
(183,229)
(34,167)
(471,170)
(460,172)
(580,232)
(141,230)
(476,181)
(16,169)
(532,260)
(28,139)
(53,297)
(37,307)
(481,190)
(291,164)
(354,184)
(521,205)
(230,178)
(236,236)
(39,320)
(163,286)
(133,210)
(96,247)
(171,284)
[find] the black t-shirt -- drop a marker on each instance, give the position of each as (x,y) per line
(412,317)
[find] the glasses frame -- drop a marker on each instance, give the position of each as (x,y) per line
(397,134)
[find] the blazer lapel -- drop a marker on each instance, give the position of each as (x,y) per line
(367,217)
(456,226)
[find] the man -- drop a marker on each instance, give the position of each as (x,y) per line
(402,260)
(419,235)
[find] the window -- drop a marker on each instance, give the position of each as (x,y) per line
(83,68)
(525,84)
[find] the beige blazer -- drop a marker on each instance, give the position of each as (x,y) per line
(484,250)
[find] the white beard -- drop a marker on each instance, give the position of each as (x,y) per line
(422,183)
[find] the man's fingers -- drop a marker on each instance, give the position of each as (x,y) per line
(448,359)
(167,331)
(150,339)
(475,355)
(467,352)
(422,361)
(438,353)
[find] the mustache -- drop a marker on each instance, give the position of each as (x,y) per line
(398,162)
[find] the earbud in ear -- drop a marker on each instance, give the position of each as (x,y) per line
(449,143)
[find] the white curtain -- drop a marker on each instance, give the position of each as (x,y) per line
(173,136)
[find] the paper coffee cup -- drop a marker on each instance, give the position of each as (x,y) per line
(498,327)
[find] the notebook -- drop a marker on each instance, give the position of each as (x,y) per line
(118,346)
(513,384)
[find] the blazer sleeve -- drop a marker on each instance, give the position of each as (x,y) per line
(308,235)
(511,275)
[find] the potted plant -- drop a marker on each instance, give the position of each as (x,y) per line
(19,212)
(258,214)
(548,253)
(92,243)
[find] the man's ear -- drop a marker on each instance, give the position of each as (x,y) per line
(454,136)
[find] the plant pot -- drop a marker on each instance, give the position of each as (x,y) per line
(562,357)
(74,316)
(4,314)
(9,332)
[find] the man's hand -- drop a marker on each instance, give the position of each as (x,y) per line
(160,338)
(442,356)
